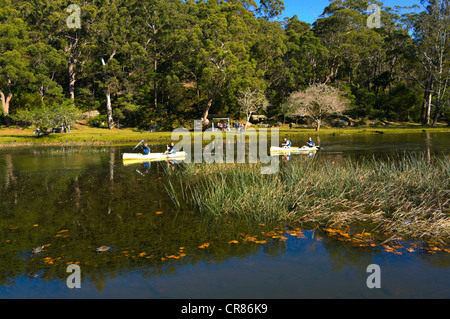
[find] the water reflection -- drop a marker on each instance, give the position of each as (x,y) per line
(76,201)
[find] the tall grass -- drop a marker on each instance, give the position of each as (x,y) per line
(405,196)
(408,196)
(237,190)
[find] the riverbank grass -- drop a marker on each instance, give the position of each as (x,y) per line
(80,135)
(84,135)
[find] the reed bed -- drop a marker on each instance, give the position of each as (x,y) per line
(407,196)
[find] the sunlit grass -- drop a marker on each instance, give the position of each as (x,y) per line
(81,135)
(84,135)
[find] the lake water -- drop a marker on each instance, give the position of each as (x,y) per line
(73,200)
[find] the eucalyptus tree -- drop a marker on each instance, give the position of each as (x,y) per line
(46,63)
(292,58)
(228,32)
(157,33)
(270,9)
(269,50)
(110,47)
(67,28)
(371,60)
(14,63)
(343,30)
(432,31)
(306,55)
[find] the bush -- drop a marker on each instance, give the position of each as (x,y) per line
(365,103)
(98,121)
(49,116)
(165,123)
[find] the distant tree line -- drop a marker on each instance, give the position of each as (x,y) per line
(166,62)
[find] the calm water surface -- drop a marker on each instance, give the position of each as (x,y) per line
(73,200)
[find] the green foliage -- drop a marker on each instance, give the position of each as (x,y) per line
(365,103)
(98,121)
(172,61)
(50,116)
(402,101)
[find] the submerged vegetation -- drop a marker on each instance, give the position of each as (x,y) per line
(406,197)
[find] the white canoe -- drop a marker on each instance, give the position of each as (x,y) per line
(293,149)
(152,156)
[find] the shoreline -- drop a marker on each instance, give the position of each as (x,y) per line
(86,136)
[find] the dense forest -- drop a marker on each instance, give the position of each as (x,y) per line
(167,62)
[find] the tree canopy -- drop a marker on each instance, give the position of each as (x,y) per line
(316,102)
(168,62)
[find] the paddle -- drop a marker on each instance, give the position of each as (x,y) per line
(137,146)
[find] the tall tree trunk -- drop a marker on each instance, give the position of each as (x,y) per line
(72,80)
(424,105)
(155,86)
(437,109)
(318,122)
(108,94)
(211,98)
(5,98)
(206,111)
(41,93)
(73,54)
(249,115)
(109,108)
(428,109)
(155,68)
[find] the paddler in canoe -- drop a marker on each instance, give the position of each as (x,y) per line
(170,149)
(145,149)
(309,143)
(286,144)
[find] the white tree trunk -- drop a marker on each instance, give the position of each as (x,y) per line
(5,101)
(72,80)
(109,108)
(108,96)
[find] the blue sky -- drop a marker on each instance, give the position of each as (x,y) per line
(306,9)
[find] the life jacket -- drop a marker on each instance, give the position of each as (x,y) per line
(172,149)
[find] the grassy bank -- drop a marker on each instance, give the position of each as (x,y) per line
(406,197)
(80,135)
(84,135)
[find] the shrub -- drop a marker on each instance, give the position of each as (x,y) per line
(98,121)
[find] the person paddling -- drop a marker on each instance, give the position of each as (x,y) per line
(309,143)
(286,144)
(145,149)
(170,150)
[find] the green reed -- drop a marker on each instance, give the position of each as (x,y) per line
(407,196)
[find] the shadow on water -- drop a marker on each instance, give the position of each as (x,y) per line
(75,200)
